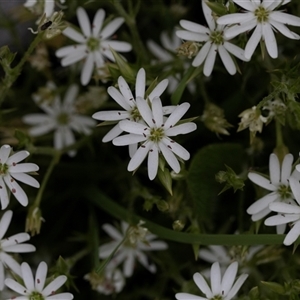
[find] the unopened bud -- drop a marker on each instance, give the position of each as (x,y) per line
(178,225)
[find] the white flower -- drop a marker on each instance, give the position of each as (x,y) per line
(155,134)
(110,282)
(288,213)
(46,5)
(262,17)
(10,171)
(215,42)
(94,43)
(34,288)
(278,184)
(127,101)
(221,288)
(60,117)
(12,244)
(133,247)
(166,55)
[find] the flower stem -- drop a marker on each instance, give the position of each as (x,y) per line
(281,150)
(14,73)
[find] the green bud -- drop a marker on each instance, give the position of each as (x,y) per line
(274,286)
(162,205)
(218,8)
(34,220)
(148,205)
(165,178)
(22,138)
(178,225)
(232,180)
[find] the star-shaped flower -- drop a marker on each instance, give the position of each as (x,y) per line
(215,42)
(39,6)
(127,101)
(12,244)
(34,288)
(155,136)
(221,288)
(94,43)
(137,240)
(261,16)
(61,117)
(10,171)
(278,184)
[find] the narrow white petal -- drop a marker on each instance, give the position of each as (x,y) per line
(169,157)
(113,133)
(98,22)
(235,30)
(235,50)
(229,277)
(118,46)
(260,215)
(67,50)
(17,157)
(236,287)
(159,89)
(27,276)
(128,139)
(4,153)
(73,57)
(143,260)
(145,111)
(194,27)
(84,21)
(235,18)
(192,36)
(186,296)
(160,53)
(280,219)
(22,248)
(210,60)
(181,129)
(227,60)
(106,249)
(248,4)
(128,265)
(280,229)
(215,278)
(293,234)
(201,56)
(16,190)
(87,70)
(27,179)
(274,169)
(177,114)
(152,162)
(262,203)
(177,149)
(261,181)
(286,168)
(284,208)
(42,129)
(120,99)
(208,16)
(295,187)
(60,296)
(54,285)
(270,40)
(202,285)
(139,156)
(285,18)
(15,239)
(15,286)
(253,41)
(4,223)
(74,35)
(140,83)
(157,112)
(3,194)
(111,115)
(112,232)
(134,127)
(132,149)
(125,89)
(284,30)
(34,119)
(111,27)
(23,167)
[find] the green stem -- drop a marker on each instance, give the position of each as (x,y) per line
(15,72)
(55,160)
(137,43)
(279,139)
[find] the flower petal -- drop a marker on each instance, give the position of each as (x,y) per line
(84,21)
(293,234)
(261,181)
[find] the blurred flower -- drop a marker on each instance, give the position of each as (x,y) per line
(167,55)
(262,17)
(221,288)
(132,248)
(13,244)
(278,184)
(155,134)
(40,7)
(110,282)
(215,42)
(34,288)
(94,43)
(127,101)
(62,118)
(40,59)
(10,171)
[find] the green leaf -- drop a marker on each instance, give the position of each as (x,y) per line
(274,286)
(201,181)
(218,8)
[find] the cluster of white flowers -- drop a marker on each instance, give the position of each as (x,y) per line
(260,15)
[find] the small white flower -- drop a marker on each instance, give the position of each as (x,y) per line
(47,6)
(110,282)
(155,136)
(10,171)
(278,184)
(288,213)
(166,54)
(215,42)
(261,16)
(34,288)
(60,117)
(221,288)
(94,43)
(12,244)
(131,249)
(127,101)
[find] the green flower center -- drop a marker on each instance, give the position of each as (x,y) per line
(284,191)
(261,14)
(3,169)
(217,37)
(36,296)
(156,134)
(217,297)
(63,118)
(93,44)
(135,114)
